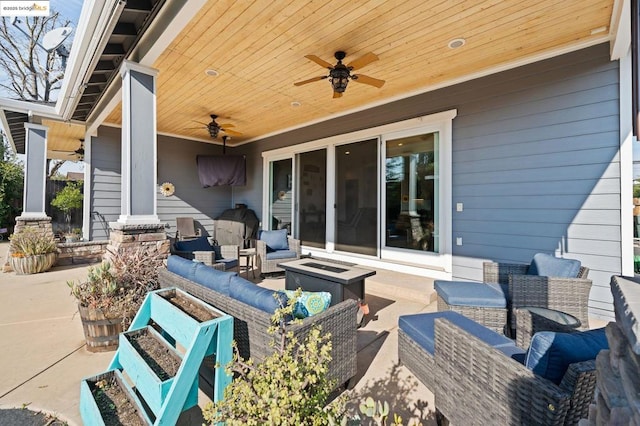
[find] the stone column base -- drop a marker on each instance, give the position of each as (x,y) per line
(132,237)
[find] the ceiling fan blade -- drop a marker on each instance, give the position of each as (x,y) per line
(319,61)
(368,80)
(227,125)
(311,80)
(363,60)
(337,95)
(231,132)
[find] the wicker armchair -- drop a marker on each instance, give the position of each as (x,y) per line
(570,295)
(268,261)
(208,257)
(476,384)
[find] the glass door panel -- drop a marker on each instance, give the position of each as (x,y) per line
(312,197)
(411,193)
(280,194)
(356,197)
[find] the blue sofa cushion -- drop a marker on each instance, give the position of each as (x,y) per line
(183,267)
(275,240)
(228,263)
(281,254)
(547,265)
(309,303)
(465,293)
(550,353)
(421,328)
(197,244)
(212,278)
(258,297)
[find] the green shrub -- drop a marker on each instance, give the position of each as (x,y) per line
(29,241)
(69,198)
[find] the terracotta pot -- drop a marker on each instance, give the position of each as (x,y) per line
(33,264)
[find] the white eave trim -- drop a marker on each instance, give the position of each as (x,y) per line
(620,29)
(5,125)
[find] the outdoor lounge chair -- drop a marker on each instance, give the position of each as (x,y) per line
(221,257)
(273,247)
(186,228)
(548,282)
(480,377)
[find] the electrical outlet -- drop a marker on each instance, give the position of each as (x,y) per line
(458,241)
(459,207)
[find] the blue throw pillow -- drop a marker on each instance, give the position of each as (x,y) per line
(198,244)
(309,303)
(547,265)
(551,353)
(275,240)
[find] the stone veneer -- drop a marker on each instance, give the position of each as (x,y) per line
(130,237)
(81,252)
(617,397)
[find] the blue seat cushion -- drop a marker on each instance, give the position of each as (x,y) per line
(197,244)
(183,267)
(258,297)
(275,240)
(465,293)
(547,265)
(228,263)
(421,328)
(212,278)
(281,254)
(550,353)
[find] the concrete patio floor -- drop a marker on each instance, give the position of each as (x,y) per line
(44,357)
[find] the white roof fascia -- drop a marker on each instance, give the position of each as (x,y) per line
(97,20)
(5,125)
(620,29)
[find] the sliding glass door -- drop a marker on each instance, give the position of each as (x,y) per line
(312,197)
(356,197)
(280,207)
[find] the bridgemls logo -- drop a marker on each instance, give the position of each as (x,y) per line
(24,8)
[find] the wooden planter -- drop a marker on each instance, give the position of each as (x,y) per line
(33,264)
(100,332)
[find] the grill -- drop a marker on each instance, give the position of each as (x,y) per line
(236,226)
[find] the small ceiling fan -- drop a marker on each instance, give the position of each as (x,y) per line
(214,128)
(78,153)
(339,74)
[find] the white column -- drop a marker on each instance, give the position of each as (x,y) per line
(139,145)
(35,176)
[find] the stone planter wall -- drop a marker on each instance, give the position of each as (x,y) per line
(617,398)
(131,237)
(81,252)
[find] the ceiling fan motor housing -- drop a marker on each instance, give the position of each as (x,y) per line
(339,77)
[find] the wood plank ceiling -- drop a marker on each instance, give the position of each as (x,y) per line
(258,49)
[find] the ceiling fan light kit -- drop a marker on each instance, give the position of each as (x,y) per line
(340,74)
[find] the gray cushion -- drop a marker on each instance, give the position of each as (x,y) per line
(421,328)
(547,265)
(183,267)
(212,278)
(465,293)
(258,297)
(197,244)
(275,240)
(551,353)
(281,254)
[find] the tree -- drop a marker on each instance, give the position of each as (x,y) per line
(32,74)
(68,199)
(11,184)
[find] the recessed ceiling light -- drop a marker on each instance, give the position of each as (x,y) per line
(296,104)
(457,42)
(347,152)
(212,73)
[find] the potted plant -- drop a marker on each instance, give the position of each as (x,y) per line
(112,294)
(69,198)
(32,251)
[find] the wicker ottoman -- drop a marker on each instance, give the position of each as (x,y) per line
(481,302)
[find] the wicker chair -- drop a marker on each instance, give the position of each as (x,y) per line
(570,295)
(268,260)
(230,256)
(476,384)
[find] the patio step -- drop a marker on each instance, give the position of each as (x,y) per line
(160,400)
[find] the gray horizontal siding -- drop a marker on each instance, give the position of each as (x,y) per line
(176,164)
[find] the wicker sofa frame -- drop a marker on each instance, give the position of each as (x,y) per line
(570,295)
(476,384)
(250,326)
(267,266)
(493,318)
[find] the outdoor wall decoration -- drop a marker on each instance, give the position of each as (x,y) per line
(167,189)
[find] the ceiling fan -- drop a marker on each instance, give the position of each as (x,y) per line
(339,74)
(214,128)
(78,153)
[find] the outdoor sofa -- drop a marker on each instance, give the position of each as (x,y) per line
(252,306)
(480,377)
